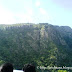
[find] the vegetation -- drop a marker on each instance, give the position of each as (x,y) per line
(40,44)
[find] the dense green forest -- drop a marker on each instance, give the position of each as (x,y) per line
(40,44)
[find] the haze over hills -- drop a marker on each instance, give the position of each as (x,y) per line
(41,44)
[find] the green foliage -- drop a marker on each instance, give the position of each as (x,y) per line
(62,70)
(1,62)
(41,44)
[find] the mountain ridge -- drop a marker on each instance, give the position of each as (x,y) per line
(41,44)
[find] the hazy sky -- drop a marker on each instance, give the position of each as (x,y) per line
(56,12)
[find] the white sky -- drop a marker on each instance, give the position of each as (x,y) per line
(56,12)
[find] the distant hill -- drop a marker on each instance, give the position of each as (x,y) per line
(41,44)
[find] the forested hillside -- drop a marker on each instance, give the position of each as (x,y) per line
(41,44)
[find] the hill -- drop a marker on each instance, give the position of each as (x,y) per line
(41,44)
